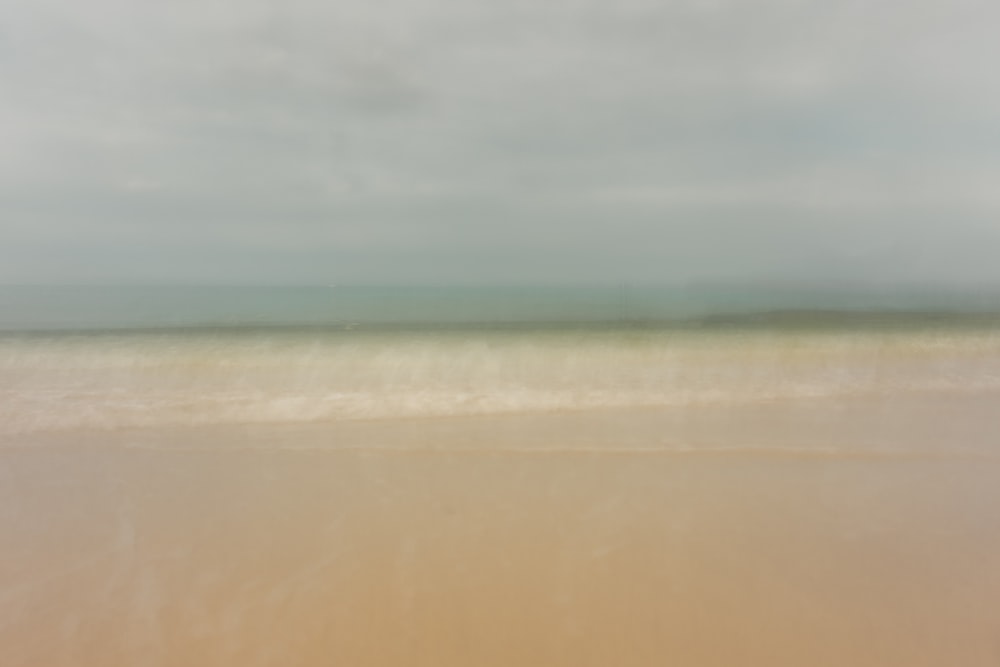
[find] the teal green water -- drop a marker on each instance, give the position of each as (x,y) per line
(110,307)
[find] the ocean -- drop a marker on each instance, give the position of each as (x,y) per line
(627,475)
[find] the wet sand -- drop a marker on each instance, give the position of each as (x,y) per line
(115,552)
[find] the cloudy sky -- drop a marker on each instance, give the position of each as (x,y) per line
(317,141)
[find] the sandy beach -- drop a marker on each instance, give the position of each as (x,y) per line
(142,548)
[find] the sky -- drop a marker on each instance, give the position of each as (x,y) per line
(498,141)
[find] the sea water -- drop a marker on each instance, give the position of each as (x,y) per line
(370,476)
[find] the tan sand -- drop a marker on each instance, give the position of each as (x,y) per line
(118,556)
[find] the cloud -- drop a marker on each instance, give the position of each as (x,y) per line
(470,141)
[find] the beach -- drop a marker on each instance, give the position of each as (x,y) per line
(499,334)
(311,545)
(776,492)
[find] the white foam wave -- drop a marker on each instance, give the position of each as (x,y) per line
(110,382)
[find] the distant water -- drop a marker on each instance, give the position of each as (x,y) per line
(116,307)
(93,358)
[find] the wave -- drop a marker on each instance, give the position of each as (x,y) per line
(210,377)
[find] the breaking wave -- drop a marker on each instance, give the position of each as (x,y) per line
(56,382)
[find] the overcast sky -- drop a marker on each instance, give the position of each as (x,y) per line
(398,141)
